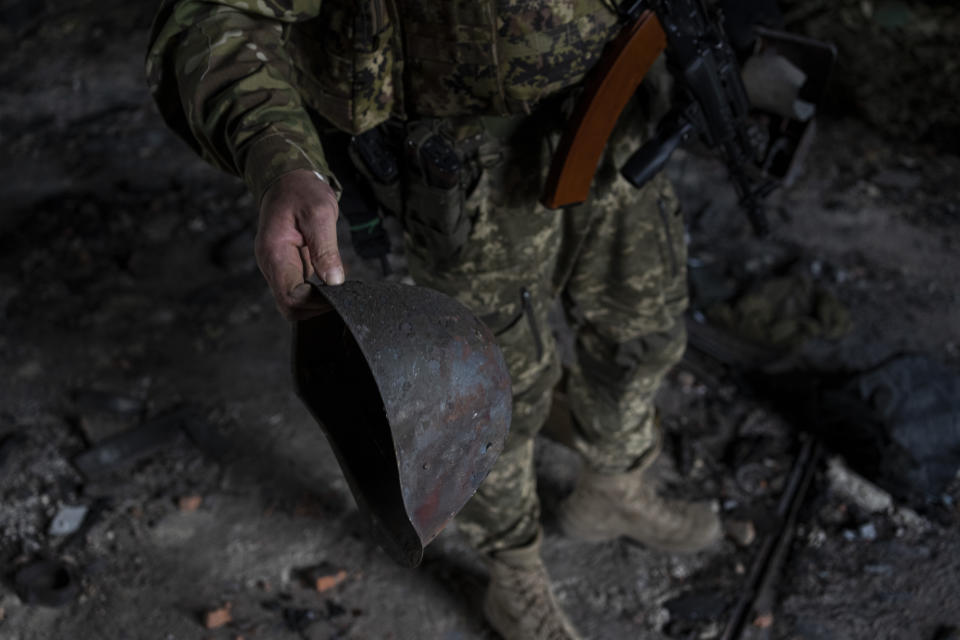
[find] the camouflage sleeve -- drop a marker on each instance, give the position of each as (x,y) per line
(224,82)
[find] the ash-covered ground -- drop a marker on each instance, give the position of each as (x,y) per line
(130,302)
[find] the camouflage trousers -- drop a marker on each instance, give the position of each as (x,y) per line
(616,264)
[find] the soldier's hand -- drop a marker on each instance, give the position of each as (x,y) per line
(296,238)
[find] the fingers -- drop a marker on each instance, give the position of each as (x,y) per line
(296,237)
(278,256)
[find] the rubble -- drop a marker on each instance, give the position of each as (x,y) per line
(216,618)
(742,532)
(323,577)
(854,488)
(325,583)
(127,448)
(68,519)
(128,289)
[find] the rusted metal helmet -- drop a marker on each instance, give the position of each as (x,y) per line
(414,397)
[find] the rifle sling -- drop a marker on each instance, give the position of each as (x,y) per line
(606,93)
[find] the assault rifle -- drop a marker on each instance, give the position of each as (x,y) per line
(711,102)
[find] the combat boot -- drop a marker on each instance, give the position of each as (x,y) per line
(603,507)
(520,603)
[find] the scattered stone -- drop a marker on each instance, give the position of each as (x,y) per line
(189,504)
(816,537)
(216,618)
(868,531)
(742,532)
(126,448)
(679,570)
(854,488)
(68,519)
(660,620)
(909,518)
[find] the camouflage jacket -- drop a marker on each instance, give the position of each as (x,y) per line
(237,78)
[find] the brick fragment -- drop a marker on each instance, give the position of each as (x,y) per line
(216,618)
(189,503)
(325,583)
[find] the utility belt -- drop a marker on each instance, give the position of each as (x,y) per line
(422,171)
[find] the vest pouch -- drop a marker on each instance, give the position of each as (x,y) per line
(434,213)
(376,160)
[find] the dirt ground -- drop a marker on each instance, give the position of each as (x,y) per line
(129,296)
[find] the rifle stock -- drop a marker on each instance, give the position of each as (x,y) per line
(608,89)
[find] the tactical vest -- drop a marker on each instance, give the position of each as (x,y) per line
(361,62)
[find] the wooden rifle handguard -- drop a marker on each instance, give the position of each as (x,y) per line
(608,89)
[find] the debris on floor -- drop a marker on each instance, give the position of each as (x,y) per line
(68,519)
(147,378)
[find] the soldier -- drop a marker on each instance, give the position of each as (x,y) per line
(252,84)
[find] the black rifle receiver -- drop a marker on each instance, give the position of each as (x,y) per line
(713,102)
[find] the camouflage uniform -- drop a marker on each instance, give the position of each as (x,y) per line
(234,78)
(617,264)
